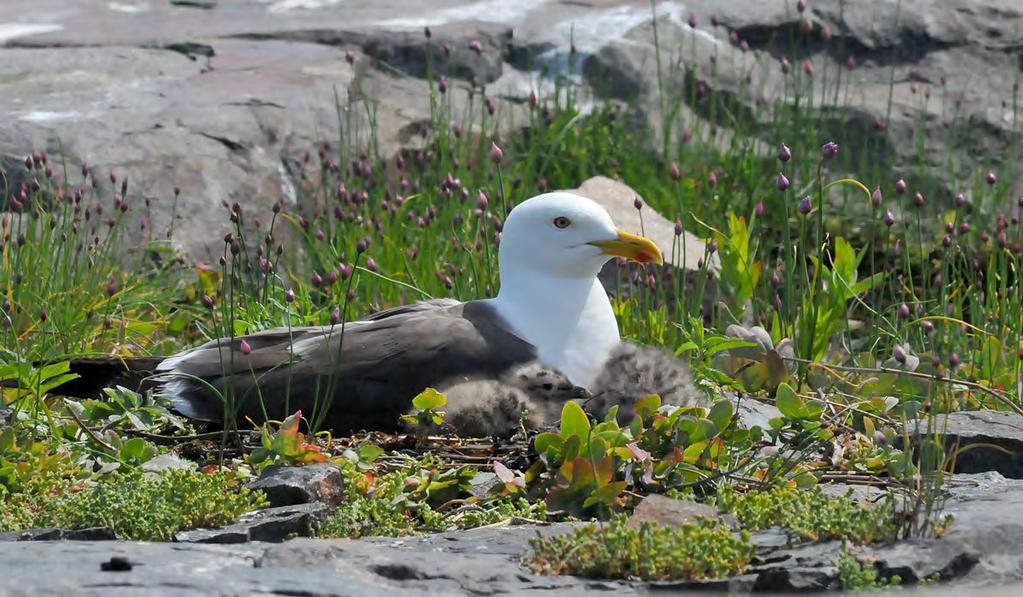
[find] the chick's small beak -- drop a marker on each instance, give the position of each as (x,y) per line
(631,246)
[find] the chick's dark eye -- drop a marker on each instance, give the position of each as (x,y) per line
(562,222)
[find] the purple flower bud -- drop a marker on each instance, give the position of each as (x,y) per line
(28,162)
(692,20)
(964,228)
(331,277)
(927,326)
(829,150)
(712,180)
(244,347)
(775,279)
(349,56)
(784,153)
(960,200)
(371,265)
(899,354)
(442,85)
(481,200)
(712,247)
(345,270)
(946,241)
(903,310)
(918,199)
(900,186)
(335,315)
(532,99)
(42,313)
(207,301)
(637,203)
(289,295)
(801,6)
(496,153)
(953,360)
(316,280)
(678,228)
(758,209)
(875,197)
(675,173)
(361,245)
(715,20)
(805,205)
(991,178)
(783,182)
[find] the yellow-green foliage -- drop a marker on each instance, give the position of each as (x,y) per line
(854,575)
(703,550)
(136,506)
(809,513)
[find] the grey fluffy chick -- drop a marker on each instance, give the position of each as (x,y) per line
(494,407)
(633,372)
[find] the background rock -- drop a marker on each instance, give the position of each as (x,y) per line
(217,97)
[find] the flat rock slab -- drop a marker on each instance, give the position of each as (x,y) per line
(983,546)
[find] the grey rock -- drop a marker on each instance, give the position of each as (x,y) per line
(752,412)
(270,524)
(994,439)
(57,533)
(289,485)
(666,511)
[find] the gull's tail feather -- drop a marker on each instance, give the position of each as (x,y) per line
(96,373)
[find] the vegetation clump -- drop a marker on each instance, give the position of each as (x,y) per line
(854,575)
(810,514)
(136,505)
(704,550)
(419,499)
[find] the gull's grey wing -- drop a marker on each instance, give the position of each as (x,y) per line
(384,362)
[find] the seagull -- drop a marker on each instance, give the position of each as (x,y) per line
(551,314)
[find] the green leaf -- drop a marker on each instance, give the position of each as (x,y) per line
(721,414)
(136,450)
(369,452)
(574,420)
(549,443)
(717,344)
(429,399)
(790,405)
(647,406)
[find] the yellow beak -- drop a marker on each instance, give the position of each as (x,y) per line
(631,246)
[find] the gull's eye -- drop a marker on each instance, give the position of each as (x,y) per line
(562,222)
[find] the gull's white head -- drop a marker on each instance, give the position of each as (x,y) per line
(552,248)
(567,235)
